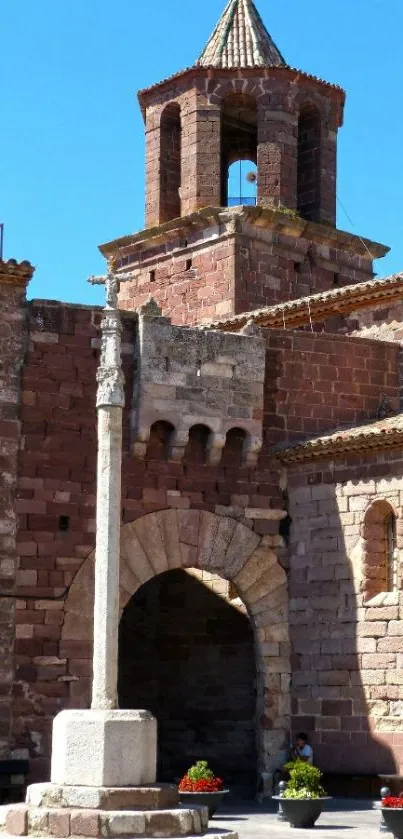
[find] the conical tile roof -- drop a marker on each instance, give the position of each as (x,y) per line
(240,39)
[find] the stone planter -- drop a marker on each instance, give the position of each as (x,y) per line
(393,818)
(302,812)
(211,800)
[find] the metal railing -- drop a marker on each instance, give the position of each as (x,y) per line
(241,202)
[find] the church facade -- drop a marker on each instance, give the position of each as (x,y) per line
(262,529)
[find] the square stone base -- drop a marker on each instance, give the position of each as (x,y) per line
(104,748)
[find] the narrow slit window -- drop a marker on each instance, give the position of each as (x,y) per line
(391,552)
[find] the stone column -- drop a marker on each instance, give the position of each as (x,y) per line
(106,747)
(110,403)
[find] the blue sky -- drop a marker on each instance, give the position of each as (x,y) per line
(71,138)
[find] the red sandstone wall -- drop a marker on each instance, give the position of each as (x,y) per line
(222,272)
(12,339)
(316,382)
(57,478)
(347,682)
(189,285)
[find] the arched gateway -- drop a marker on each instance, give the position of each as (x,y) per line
(180,539)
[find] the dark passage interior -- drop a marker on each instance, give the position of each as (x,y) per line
(187,655)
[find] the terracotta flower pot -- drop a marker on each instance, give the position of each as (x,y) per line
(211,800)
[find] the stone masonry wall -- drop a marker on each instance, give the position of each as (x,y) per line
(191,377)
(316,382)
(56,515)
(56,519)
(191,279)
(231,267)
(12,346)
(347,682)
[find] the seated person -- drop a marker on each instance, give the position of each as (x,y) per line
(302,750)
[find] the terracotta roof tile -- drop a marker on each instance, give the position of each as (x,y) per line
(240,39)
(383,433)
(300,312)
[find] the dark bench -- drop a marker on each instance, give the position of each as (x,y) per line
(352,785)
(13,779)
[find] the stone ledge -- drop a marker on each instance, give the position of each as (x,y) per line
(152,797)
(22,820)
(210,834)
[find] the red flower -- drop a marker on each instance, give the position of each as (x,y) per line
(210,785)
(394,801)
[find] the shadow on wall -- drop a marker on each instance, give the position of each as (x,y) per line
(341,684)
(187,654)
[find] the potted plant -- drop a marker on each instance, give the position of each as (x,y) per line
(303,797)
(201,787)
(392,811)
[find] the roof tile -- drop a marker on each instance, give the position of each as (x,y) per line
(241,39)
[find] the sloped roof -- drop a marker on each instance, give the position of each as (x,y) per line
(380,434)
(293,314)
(241,39)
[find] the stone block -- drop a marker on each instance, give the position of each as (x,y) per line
(85,823)
(153,797)
(122,824)
(172,823)
(16,821)
(59,823)
(104,748)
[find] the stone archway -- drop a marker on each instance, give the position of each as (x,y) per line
(180,539)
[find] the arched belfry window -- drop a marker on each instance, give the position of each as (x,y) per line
(170,162)
(309,163)
(380,566)
(238,150)
(242,183)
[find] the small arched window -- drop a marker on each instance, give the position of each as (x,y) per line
(159,442)
(380,569)
(390,525)
(196,449)
(233,452)
(170,162)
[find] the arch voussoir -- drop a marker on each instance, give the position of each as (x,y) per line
(225,531)
(242,545)
(149,535)
(131,551)
(207,535)
(169,528)
(262,559)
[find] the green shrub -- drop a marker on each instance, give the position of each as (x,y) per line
(304,781)
(200,771)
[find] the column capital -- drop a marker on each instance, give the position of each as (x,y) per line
(110,376)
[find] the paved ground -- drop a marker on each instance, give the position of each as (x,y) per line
(342,820)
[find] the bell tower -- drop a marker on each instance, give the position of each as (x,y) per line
(206,252)
(241,101)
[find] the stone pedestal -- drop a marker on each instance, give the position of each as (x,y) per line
(103,785)
(104,748)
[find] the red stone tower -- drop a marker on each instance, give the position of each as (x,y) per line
(200,256)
